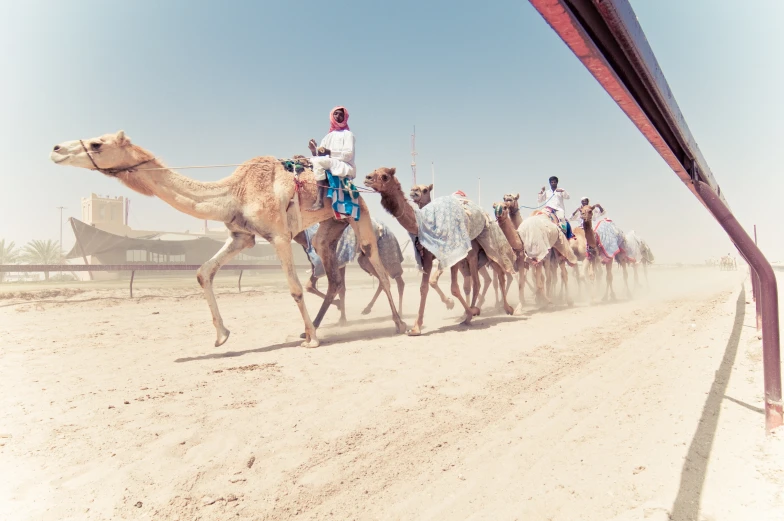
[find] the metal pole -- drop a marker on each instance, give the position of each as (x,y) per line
(755,281)
(131,285)
(60,244)
(239,282)
(768,302)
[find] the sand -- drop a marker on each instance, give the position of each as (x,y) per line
(647,408)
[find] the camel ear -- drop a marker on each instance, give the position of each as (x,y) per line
(516,197)
(430,187)
(391,171)
(121,137)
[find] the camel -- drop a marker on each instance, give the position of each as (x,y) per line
(384,181)
(422,195)
(585,248)
(258,198)
(633,255)
(607,248)
(388,249)
(503,217)
(647,258)
(541,235)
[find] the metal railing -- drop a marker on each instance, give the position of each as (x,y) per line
(607,38)
(133,268)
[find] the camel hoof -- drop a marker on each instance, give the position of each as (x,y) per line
(303,336)
(518,310)
(366,311)
(222,337)
(467,319)
(342,322)
(509,310)
(449,303)
(415,331)
(475,311)
(313,342)
(401,327)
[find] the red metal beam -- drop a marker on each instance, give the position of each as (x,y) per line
(606,37)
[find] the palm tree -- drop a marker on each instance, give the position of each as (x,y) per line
(8,255)
(42,252)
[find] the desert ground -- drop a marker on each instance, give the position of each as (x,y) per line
(644,408)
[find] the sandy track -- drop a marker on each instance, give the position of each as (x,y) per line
(582,413)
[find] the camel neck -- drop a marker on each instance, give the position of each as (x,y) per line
(510,232)
(203,200)
(395,203)
(514,215)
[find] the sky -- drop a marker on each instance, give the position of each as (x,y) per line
(492,90)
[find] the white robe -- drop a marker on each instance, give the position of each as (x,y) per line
(555,200)
(340,163)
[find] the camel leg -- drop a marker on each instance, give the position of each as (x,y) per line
(636,278)
(495,290)
(645,271)
(282,246)
(488,280)
(424,286)
(472,260)
(626,280)
(401,285)
(565,284)
(609,288)
(469,311)
(539,280)
(368,244)
(206,273)
(463,267)
(521,280)
(434,284)
(325,243)
(502,282)
(364,263)
(369,307)
(342,294)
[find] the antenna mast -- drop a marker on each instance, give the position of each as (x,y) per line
(413,156)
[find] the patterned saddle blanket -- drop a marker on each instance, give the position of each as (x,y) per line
(609,239)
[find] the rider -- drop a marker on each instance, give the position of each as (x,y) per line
(336,154)
(553,198)
(585,202)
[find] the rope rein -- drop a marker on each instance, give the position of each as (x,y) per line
(115,171)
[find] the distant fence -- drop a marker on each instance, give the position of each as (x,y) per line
(133,268)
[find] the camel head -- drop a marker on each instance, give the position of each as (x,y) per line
(586,212)
(512,200)
(383,180)
(421,194)
(110,153)
(502,209)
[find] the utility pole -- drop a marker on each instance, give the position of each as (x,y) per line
(61,208)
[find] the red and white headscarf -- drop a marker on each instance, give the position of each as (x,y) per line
(334,125)
(460,193)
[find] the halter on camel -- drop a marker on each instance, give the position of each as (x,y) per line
(111,171)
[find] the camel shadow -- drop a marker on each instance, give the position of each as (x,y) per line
(479,323)
(337,338)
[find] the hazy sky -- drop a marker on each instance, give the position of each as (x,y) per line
(492,90)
